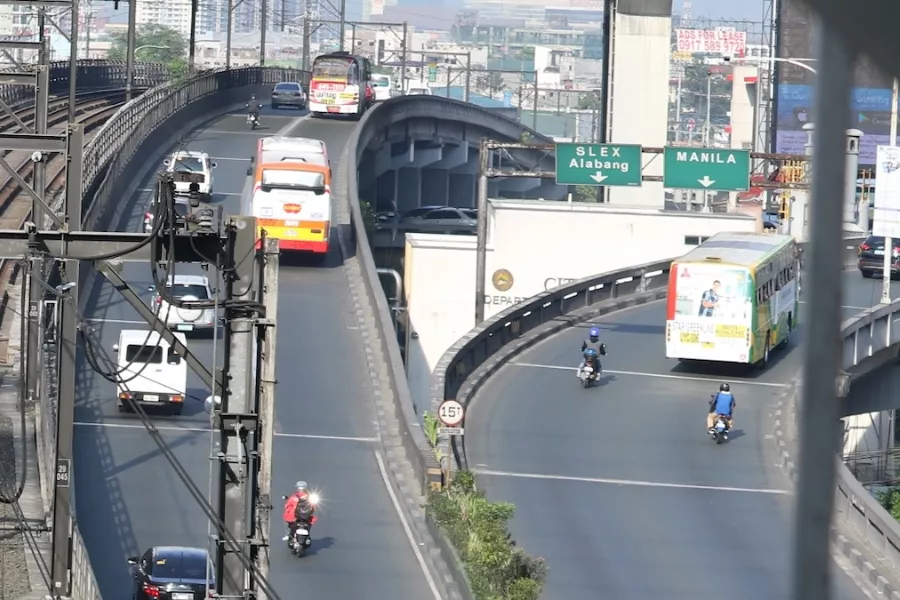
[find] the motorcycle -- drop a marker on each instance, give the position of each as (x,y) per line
(586,372)
(301,540)
(253,121)
(720,430)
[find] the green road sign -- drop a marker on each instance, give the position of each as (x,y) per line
(706,169)
(598,164)
(432,73)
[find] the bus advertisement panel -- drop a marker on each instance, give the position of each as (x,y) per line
(710,313)
(293,204)
(339,84)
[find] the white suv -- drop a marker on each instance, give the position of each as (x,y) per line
(185,288)
(188,161)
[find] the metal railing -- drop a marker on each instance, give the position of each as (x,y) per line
(144,125)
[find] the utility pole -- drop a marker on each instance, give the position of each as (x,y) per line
(34,288)
(131,45)
(73,60)
(88,21)
(192,43)
(353,37)
(283,14)
(343,20)
(240,425)
(229,25)
(266,343)
(306,33)
(263,25)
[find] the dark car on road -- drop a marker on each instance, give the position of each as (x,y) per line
(871,256)
(288,93)
(172,573)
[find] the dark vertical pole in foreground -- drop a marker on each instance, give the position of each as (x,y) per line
(73,61)
(192,43)
(817,416)
(130,47)
(62,498)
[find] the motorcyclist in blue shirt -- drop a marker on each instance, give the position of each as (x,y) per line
(721,404)
(593,342)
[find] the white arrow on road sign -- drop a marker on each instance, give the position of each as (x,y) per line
(706,181)
(598,177)
(451,412)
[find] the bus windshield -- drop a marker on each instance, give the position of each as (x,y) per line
(716,292)
(332,68)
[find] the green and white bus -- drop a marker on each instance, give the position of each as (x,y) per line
(733,298)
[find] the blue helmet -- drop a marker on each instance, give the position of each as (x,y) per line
(594,333)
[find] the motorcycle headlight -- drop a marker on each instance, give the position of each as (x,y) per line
(314,498)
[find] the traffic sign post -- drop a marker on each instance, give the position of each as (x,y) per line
(451,414)
(610,165)
(706,169)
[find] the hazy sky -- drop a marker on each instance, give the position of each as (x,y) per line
(751,10)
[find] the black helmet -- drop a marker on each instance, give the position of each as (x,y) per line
(724,388)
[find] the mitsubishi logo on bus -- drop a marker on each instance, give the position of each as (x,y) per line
(292,209)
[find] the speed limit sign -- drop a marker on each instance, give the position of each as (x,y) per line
(451,413)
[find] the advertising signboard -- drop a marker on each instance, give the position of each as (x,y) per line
(712,41)
(794,97)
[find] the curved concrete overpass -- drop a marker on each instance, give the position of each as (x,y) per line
(620,488)
(127,497)
(423,150)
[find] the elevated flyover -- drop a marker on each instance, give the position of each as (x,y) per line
(618,486)
(326,423)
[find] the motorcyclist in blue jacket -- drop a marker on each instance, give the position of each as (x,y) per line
(593,342)
(721,404)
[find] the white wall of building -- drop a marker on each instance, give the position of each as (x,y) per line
(542,245)
(871,432)
(172,13)
(742,103)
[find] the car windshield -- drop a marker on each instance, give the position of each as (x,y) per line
(181,567)
(332,68)
(188,163)
(180,290)
(417,92)
(292,178)
(380,81)
(287,88)
(874,241)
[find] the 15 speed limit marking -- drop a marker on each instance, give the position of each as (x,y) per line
(451,415)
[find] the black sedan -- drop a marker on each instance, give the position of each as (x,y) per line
(871,256)
(172,573)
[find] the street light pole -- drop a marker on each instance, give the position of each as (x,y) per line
(888,242)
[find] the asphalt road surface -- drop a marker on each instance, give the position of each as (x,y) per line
(129,499)
(620,487)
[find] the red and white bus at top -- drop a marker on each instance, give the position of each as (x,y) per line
(341,84)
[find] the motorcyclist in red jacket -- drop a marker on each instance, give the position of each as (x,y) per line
(299,509)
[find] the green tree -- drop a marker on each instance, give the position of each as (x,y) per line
(589,101)
(161,44)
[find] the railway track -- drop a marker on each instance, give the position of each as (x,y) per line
(92,110)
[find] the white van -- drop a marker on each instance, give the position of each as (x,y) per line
(383,87)
(154,374)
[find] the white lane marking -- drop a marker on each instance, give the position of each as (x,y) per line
(634,483)
(305,436)
(657,375)
(295,122)
(409,535)
(119,321)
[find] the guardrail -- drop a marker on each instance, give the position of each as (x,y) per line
(136,134)
(91,74)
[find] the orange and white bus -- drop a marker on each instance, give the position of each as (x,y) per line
(292,203)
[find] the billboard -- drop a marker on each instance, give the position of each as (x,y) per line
(794,94)
(711,41)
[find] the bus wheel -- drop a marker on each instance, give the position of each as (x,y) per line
(765,359)
(787,338)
